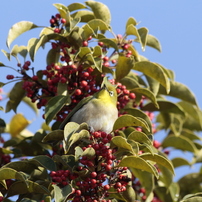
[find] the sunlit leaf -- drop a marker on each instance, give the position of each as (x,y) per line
(52,56)
(154,71)
(130,21)
(101,11)
(178,161)
(147,93)
(84,15)
(22,50)
(153,42)
(17,124)
(110,43)
(129,120)
(180,91)
(121,142)
(98,24)
(159,159)
(143,31)
(138,163)
(123,67)
(75,6)
(179,142)
(18,29)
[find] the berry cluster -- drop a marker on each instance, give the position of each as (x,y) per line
(95,175)
(57,23)
(4,159)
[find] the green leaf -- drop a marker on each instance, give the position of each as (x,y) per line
(190,134)
(129,120)
(8,55)
(61,194)
(31,47)
(164,106)
(130,21)
(153,84)
(146,179)
(139,137)
(89,152)
(110,43)
(139,113)
(179,142)
(15,97)
(178,161)
(22,50)
(130,81)
(87,31)
(129,195)
(194,199)
(83,134)
(153,42)
(121,142)
(45,161)
(174,191)
(191,111)
(138,163)
(159,159)
(143,31)
(31,104)
(84,15)
(154,71)
(54,105)
(9,173)
(147,93)
(75,6)
(101,11)
(54,136)
(53,56)
(18,29)
(179,90)
(63,10)
(123,67)
(98,24)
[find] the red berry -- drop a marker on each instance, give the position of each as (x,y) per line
(125,46)
(63,21)
(63,80)
(84,83)
(85,43)
(100,44)
(52,21)
(93,174)
(78,92)
(35,78)
(105,58)
(78,192)
(57,15)
(113,61)
(106,187)
(57,30)
(132,96)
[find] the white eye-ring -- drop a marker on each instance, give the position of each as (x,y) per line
(111,93)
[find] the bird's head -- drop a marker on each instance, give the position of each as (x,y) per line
(108,93)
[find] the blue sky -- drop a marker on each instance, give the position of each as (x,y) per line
(177,24)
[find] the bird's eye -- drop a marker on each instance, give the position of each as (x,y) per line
(111,93)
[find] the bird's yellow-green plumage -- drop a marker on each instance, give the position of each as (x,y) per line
(98,111)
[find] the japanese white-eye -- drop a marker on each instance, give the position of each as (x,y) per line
(99,111)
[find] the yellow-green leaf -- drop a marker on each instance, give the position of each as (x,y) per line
(75,6)
(121,142)
(180,91)
(129,120)
(17,29)
(179,142)
(147,93)
(154,71)
(138,163)
(130,21)
(139,137)
(178,161)
(101,11)
(54,105)
(123,67)
(159,159)
(153,42)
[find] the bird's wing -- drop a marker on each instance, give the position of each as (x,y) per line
(78,106)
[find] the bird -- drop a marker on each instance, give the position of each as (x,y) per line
(99,111)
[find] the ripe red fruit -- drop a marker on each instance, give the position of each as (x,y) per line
(132,96)
(35,78)
(93,174)
(57,15)
(105,58)
(106,187)
(85,43)
(125,46)
(52,21)
(63,21)
(57,30)
(78,92)
(84,83)
(78,192)
(100,44)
